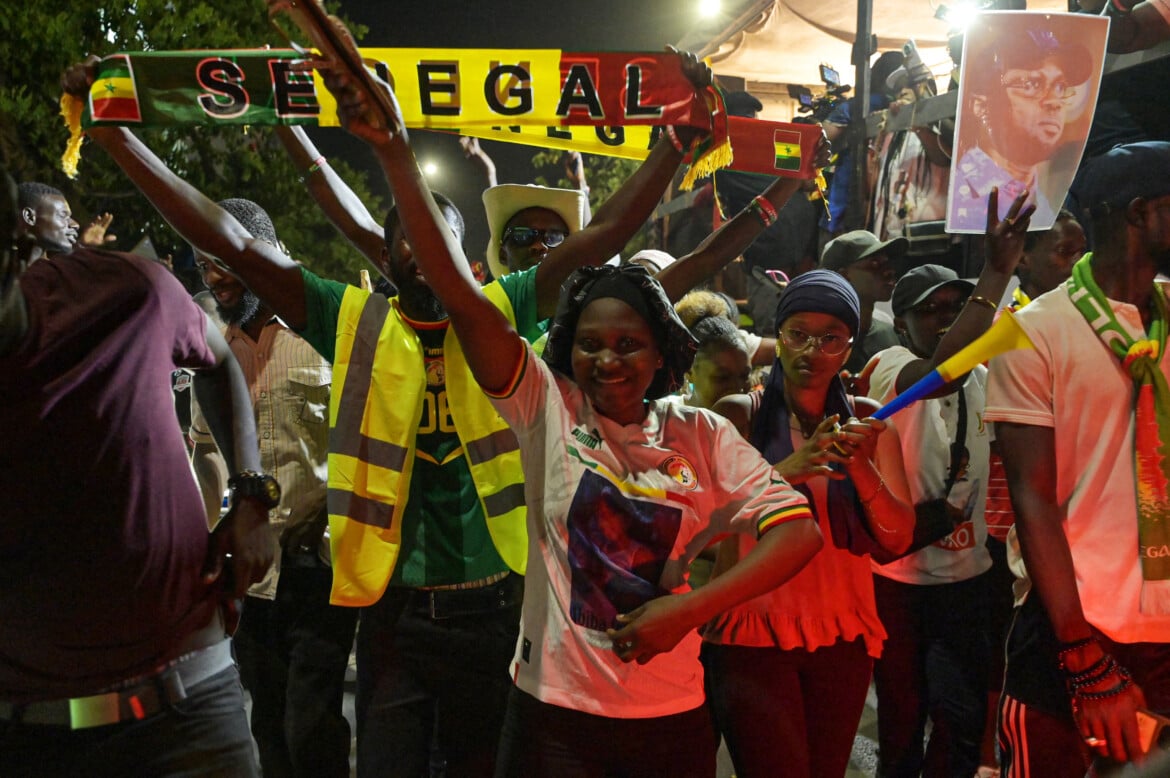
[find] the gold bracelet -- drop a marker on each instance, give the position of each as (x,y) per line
(975,298)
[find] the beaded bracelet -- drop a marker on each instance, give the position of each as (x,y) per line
(672,136)
(1068,648)
(764,210)
(318,163)
(1091,675)
(1077,697)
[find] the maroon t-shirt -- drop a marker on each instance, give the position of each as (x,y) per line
(102,529)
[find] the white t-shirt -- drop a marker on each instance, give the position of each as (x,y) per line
(615,516)
(1074,384)
(927,428)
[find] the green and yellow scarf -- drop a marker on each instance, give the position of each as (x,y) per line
(1141,358)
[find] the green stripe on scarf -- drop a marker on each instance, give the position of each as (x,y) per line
(1141,358)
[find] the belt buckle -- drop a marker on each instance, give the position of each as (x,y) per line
(96,710)
(436,613)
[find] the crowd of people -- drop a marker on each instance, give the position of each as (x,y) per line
(591,517)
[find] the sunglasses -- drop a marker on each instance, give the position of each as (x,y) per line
(523,237)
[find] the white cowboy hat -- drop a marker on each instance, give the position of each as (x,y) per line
(506,200)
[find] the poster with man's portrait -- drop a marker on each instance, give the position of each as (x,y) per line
(1027,90)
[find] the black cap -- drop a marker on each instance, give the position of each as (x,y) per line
(921,282)
(850,247)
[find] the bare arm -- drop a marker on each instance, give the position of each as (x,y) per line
(725,244)
(621,215)
(490,343)
(265,269)
(243,534)
(1029,457)
(211,475)
(1005,246)
(473,151)
(337,201)
(879,476)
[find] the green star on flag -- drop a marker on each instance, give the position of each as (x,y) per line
(113,96)
(787,148)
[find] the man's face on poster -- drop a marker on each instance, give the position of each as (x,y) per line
(1028,122)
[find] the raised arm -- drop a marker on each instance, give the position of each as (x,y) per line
(265,269)
(734,237)
(622,214)
(1005,246)
(490,343)
(337,201)
(474,152)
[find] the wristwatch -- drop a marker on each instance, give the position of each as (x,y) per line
(249,483)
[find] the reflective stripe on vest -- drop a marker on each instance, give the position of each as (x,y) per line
(372,437)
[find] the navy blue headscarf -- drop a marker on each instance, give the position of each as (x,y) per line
(818,291)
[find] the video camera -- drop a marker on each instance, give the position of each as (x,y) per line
(816,108)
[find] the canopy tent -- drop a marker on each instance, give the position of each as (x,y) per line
(774,43)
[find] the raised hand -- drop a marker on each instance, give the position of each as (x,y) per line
(1005,239)
(96,234)
(699,74)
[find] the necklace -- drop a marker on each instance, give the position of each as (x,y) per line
(807,427)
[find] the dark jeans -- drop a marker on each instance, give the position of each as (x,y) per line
(202,736)
(547,740)
(788,713)
(935,663)
(293,652)
(431,690)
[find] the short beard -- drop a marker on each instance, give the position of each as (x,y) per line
(418,301)
(242,312)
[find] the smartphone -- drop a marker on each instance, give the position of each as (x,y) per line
(1150,728)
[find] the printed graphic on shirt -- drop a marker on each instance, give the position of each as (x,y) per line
(681,471)
(436,429)
(618,548)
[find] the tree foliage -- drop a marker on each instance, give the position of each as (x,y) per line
(604,175)
(231,162)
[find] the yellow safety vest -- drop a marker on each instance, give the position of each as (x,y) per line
(379,380)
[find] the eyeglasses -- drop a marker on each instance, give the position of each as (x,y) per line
(523,237)
(828,344)
(1037,87)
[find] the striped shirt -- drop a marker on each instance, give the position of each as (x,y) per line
(289,384)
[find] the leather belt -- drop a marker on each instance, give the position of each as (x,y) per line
(131,700)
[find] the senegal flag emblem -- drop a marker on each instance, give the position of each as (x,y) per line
(113,96)
(787,146)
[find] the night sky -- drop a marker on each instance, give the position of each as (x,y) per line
(601,25)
